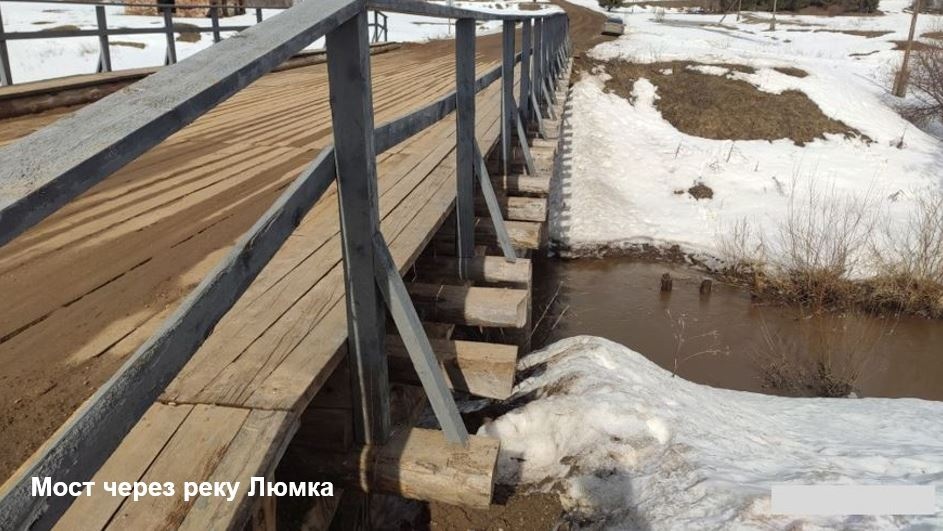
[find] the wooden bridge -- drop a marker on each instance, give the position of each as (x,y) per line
(293,334)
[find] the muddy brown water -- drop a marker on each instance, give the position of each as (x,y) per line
(721,339)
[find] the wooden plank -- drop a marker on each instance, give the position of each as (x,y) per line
(254,451)
(129,463)
(192,454)
(418,464)
(475,306)
(69,156)
(517,208)
(481,369)
(524,185)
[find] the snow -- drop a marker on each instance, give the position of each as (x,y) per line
(37,59)
(629,446)
(626,162)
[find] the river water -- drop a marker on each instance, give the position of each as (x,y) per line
(727,339)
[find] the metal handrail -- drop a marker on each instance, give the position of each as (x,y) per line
(43,171)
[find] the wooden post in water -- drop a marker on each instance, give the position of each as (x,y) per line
(465,141)
(507,93)
(666,283)
(348,64)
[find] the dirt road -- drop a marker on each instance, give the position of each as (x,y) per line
(82,290)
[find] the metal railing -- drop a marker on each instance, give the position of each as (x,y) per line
(378,26)
(42,172)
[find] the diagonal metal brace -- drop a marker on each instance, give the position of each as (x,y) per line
(525,148)
(417,343)
(497,218)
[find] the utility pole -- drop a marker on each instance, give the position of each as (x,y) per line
(900,83)
(772,22)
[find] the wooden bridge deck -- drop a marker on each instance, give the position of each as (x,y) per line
(88,285)
(148,232)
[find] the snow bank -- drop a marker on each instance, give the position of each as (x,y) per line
(629,446)
(626,163)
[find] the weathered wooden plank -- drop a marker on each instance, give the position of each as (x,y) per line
(524,185)
(254,451)
(524,234)
(40,173)
(416,7)
(82,444)
(129,463)
(517,208)
(192,454)
(481,369)
(476,306)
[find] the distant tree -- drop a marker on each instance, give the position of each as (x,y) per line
(609,5)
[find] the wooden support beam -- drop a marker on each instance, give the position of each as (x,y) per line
(526,42)
(475,306)
(507,93)
(465,140)
(486,270)
(348,64)
(416,463)
(481,369)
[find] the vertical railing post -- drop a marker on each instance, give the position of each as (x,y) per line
(537,80)
(524,99)
(6,78)
(258,14)
(104,57)
(348,64)
(465,141)
(171,57)
(214,17)
(507,93)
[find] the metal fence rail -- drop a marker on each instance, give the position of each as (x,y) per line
(42,172)
(378,27)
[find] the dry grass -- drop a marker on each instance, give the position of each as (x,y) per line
(64,27)
(722,108)
(791,71)
(827,355)
(925,84)
(936,35)
(919,46)
(818,254)
(129,44)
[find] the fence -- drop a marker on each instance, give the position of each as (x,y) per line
(378,27)
(45,170)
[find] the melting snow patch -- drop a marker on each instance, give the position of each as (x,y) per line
(628,445)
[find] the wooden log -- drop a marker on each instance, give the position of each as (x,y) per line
(416,463)
(524,234)
(475,306)
(516,208)
(523,185)
(482,369)
(493,270)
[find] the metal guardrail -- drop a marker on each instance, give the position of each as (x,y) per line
(378,26)
(43,171)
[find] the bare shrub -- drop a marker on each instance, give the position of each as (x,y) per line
(925,84)
(828,356)
(909,260)
(823,238)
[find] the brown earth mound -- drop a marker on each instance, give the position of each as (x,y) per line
(723,108)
